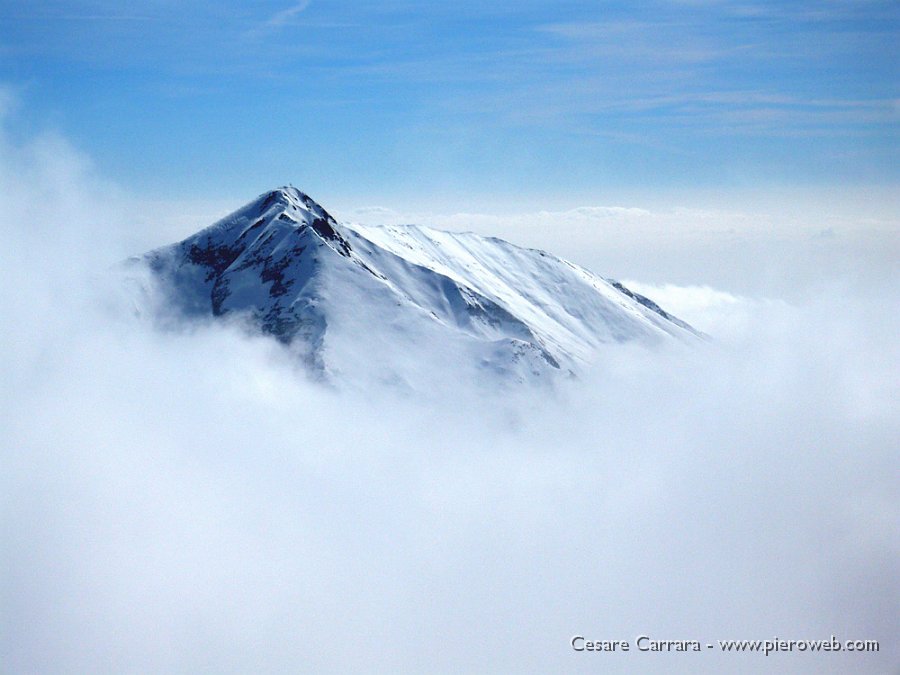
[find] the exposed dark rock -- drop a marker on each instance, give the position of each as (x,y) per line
(646,302)
(270,199)
(254,226)
(219,294)
(652,306)
(324,229)
(216,257)
(274,272)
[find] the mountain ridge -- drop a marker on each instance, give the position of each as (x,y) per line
(332,290)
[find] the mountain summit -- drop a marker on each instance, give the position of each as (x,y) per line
(400,300)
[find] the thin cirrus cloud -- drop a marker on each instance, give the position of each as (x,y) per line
(480,100)
(284,16)
(278,20)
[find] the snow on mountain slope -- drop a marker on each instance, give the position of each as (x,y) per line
(395,302)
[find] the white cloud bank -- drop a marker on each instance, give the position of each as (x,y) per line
(790,245)
(189,503)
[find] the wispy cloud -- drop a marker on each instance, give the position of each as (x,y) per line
(60,14)
(636,85)
(279,19)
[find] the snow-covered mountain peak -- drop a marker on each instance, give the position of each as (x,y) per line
(291,200)
(400,301)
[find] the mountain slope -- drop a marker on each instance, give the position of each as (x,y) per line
(394,301)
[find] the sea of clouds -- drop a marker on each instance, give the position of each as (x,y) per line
(188,501)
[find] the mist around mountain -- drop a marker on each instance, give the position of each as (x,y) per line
(176,495)
(399,304)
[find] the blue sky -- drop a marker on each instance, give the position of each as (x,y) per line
(393,100)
